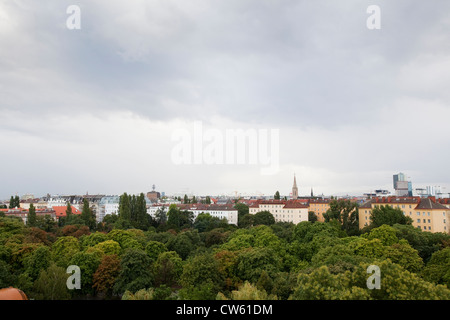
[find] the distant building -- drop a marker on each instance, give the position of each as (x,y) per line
(402,187)
(220,211)
(153,195)
(427,214)
(319,207)
(107,205)
(294,211)
(23,213)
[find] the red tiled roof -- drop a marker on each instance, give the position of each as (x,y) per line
(61,211)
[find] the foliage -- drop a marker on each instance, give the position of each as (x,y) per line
(135,272)
(180,258)
(346,213)
(106,274)
(168,268)
(51,284)
(264,218)
(386,215)
(64,249)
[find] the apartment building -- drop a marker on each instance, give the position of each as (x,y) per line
(220,211)
(428,214)
(319,207)
(294,211)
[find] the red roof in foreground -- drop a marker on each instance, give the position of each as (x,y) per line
(12,294)
(61,211)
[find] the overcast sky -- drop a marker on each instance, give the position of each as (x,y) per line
(95,110)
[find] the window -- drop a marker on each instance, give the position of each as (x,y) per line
(429,228)
(418,220)
(424,221)
(429,221)
(418,213)
(428,214)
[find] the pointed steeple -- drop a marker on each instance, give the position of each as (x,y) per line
(294,189)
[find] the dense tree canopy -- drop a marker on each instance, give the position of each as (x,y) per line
(177,257)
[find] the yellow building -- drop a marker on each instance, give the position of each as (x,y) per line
(319,207)
(426,213)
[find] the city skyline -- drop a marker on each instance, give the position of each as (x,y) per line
(95,109)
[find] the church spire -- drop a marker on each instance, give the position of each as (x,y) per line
(294,189)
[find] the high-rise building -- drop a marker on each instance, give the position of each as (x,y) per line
(294,189)
(402,187)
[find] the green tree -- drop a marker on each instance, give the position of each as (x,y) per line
(252,261)
(277,195)
(385,233)
(438,268)
(264,218)
(265,282)
(181,244)
(205,222)
(243,210)
(51,284)
(404,255)
(108,247)
(135,272)
(38,261)
(247,220)
(426,243)
(312,216)
(154,249)
(31,221)
(168,268)
(247,291)
(202,269)
(346,212)
(125,210)
(92,239)
(64,249)
(68,211)
(161,216)
(387,215)
(14,202)
(322,285)
(87,215)
(143,219)
(88,263)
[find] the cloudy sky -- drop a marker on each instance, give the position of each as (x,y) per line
(97,109)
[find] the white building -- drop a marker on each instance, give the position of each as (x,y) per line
(107,205)
(282,210)
(219,211)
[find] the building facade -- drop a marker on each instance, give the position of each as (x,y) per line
(427,214)
(282,210)
(319,207)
